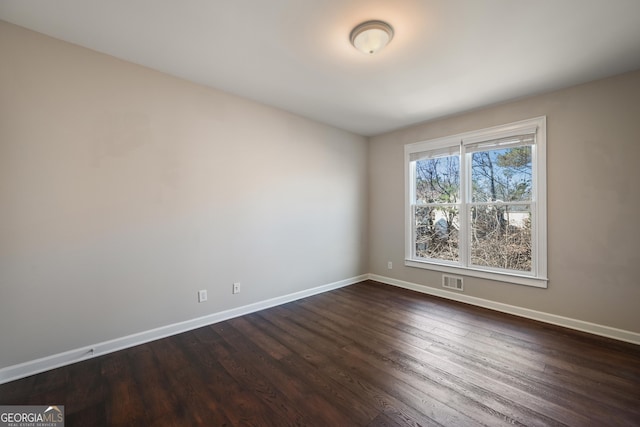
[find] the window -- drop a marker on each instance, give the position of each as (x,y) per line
(476,203)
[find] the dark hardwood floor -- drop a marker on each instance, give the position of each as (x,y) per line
(365,355)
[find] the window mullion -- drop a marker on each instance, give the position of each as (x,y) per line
(463,240)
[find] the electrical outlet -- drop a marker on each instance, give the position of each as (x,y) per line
(389,265)
(202,295)
(236,288)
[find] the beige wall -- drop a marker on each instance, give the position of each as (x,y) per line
(123,191)
(593,201)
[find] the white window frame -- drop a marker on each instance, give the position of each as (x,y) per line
(538,276)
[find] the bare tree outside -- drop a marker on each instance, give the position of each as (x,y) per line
(500,208)
(437,212)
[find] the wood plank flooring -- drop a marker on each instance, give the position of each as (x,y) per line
(365,355)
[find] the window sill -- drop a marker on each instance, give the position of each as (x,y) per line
(483,274)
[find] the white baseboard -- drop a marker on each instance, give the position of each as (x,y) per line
(32,367)
(567,322)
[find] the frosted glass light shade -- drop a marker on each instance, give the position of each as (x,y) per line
(371,36)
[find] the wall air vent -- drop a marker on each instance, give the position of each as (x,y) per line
(452,282)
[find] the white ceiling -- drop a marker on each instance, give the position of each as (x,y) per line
(447,56)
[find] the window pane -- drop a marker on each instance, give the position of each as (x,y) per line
(438,180)
(436,232)
(501,237)
(503,174)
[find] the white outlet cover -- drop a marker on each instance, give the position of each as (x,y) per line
(202,295)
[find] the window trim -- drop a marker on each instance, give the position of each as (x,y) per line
(538,277)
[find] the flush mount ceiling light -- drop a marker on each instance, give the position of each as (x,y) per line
(371,36)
